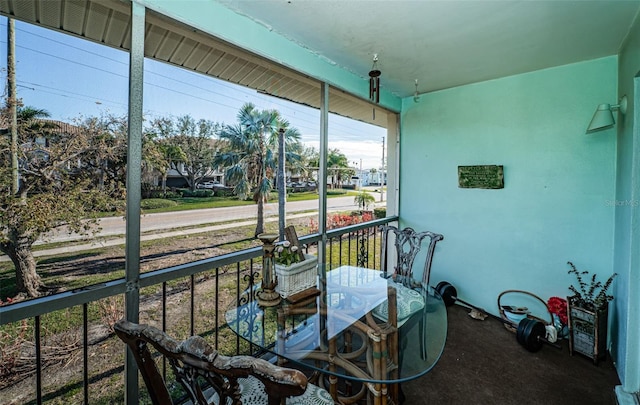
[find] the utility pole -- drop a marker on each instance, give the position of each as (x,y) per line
(359,173)
(382,174)
(12,101)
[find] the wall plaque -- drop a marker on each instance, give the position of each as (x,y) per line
(486,176)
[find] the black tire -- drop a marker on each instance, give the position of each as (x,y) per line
(537,332)
(447,292)
(521,326)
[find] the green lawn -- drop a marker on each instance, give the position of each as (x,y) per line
(7,278)
(194,203)
(66,324)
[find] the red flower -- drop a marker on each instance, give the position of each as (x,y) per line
(558,306)
(341,220)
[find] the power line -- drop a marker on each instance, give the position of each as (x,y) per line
(75,47)
(199,75)
(222,83)
(87,96)
(75,62)
(235,108)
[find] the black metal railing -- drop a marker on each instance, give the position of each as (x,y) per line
(43,361)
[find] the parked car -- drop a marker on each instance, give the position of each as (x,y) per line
(208,185)
(302,186)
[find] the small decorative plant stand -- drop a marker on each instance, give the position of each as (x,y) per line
(587,330)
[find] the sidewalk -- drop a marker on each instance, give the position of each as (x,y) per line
(163,230)
(101,242)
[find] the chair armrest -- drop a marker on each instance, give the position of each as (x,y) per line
(196,354)
(279,382)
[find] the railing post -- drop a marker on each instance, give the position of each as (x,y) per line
(38,348)
(322,180)
(134,193)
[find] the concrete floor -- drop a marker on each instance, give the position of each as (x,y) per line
(483,364)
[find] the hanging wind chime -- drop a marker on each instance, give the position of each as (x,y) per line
(374,83)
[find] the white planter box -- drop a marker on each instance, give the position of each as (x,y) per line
(297,277)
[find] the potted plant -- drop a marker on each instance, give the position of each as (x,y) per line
(294,274)
(588,310)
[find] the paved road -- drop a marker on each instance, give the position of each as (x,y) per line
(112,226)
(170,224)
(165,225)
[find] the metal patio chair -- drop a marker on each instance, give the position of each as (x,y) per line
(407,243)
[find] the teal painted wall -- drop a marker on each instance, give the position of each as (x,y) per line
(559,182)
(626,331)
(213,18)
(561,185)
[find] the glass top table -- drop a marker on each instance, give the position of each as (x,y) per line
(360,326)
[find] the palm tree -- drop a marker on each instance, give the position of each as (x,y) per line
(363,200)
(248,154)
(338,166)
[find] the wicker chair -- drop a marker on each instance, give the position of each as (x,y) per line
(211,378)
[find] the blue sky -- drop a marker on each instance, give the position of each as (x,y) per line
(71,77)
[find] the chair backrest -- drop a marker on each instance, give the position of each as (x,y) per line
(407,244)
(196,364)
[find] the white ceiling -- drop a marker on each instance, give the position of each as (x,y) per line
(447,43)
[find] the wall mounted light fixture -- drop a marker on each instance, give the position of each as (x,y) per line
(603,117)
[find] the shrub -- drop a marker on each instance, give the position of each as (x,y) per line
(158,193)
(224,192)
(380,212)
(197,193)
(341,220)
(172,194)
(337,191)
(147,190)
(152,203)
